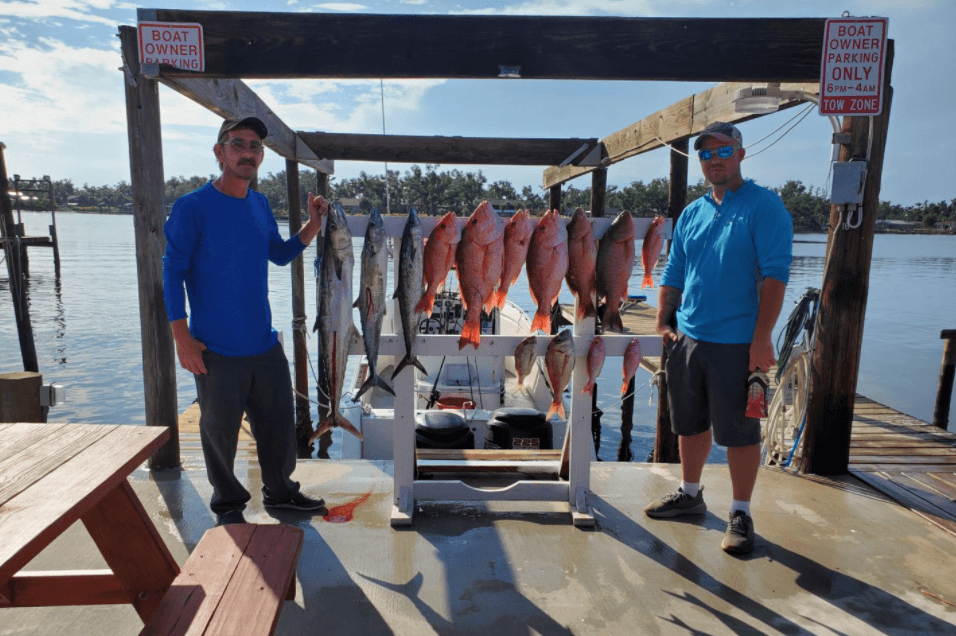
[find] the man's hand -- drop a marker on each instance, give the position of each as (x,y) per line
(318,209)
(668,300)
(761,355)
(188,348)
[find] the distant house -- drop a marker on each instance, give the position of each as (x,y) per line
(505,207)
(351,206)
(895,224)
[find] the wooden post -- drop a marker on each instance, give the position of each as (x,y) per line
(944,393)
(21,308)
(20,397)
(303,410)
(322,388)
(56,242)
(554,199)
(666,445)
(149,216)
(839,327)
(598,208)
(598,192)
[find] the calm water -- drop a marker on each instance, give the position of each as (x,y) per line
(88,337)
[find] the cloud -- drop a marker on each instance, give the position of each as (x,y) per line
(46,10)
(350,7)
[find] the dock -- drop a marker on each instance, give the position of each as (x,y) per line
(833,557)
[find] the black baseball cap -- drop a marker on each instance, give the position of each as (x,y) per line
(252,123)
(722,131)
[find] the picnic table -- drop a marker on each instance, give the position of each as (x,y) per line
(52,475)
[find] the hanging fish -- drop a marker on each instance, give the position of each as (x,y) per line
(595,361)
(517,239)
(559,361)
(547,265)
(651,250)
(371,298)
(438,259)
(614,262)
(525,355)
(582,264)
(632,359)
(408,289)
(479,261)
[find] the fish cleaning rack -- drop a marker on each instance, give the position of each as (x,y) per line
(575,490)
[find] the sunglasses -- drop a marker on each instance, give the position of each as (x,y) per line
(724,152)
(239,144)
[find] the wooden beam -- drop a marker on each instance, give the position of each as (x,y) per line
(52,588)
(680,120)
(233,99)
(149,216)
(846,283)
(464,150)
(341,45)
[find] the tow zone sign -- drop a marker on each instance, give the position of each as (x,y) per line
(851,72)
(178,44)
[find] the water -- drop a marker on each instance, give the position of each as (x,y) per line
(87,328)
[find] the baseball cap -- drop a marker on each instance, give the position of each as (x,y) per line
(253,123)
(722,131)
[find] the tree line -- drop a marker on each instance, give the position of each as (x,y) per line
(434,191)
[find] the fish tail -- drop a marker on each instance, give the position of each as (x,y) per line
(627,382)
(343,423)
(541,321)
(556,409)
(500,296)
(373,380)
(426,303)
(586,309)
(613,319)
(470,335)
(321,430)
(648,281)
(409,359)
(588,388)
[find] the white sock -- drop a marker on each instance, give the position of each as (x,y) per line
(740,505)
(690,489)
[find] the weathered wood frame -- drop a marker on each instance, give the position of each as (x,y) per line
(275,45)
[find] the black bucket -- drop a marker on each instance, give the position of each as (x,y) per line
(442,429)
(519,429)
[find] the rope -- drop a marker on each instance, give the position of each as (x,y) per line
(801,318)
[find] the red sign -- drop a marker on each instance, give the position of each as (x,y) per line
(179,44)
(851,71)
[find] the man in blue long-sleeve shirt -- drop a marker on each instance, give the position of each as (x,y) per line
(220,240)
(724,282)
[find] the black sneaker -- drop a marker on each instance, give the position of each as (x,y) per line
(298,501)
(677,503)
(230,517)
(740,534)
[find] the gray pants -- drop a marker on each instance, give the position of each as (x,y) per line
(260,386)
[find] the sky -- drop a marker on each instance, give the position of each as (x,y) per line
(62,104)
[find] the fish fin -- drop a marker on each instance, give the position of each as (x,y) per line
(346,425)
(648,281)
(542,322)
(321,430)
(501,295)
(419,365)
(409,359)
(355,305)
(613,321)
(588,388)
(426,304)
(557,408)
(373,380)
(470,335)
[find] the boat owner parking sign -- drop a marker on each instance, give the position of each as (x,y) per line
(851,72)
(178,44)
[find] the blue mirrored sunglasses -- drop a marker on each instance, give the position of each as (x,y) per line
(724,152)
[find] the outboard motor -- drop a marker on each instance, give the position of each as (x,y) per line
(442,429)
(519,429)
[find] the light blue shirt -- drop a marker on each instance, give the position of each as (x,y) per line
(718,256)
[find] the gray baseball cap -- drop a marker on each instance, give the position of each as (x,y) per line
(252,123)
(722,131)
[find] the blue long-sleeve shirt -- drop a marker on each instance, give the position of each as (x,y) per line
(720,253)
(220,247)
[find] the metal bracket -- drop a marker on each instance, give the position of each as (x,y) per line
(573,155)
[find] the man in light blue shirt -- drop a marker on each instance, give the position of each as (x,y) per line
(724,284)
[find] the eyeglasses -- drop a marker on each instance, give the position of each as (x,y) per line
(724,152)
(241,145)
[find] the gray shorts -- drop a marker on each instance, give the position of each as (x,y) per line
(707,389)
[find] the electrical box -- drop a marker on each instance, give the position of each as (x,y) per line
(848,180)
(52,394)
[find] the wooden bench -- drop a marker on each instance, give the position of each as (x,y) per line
(234,582)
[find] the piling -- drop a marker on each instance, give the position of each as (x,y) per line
(20,397)
(303,410)
(944,392)
(14,253)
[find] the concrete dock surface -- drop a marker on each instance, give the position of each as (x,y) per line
(833,557)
